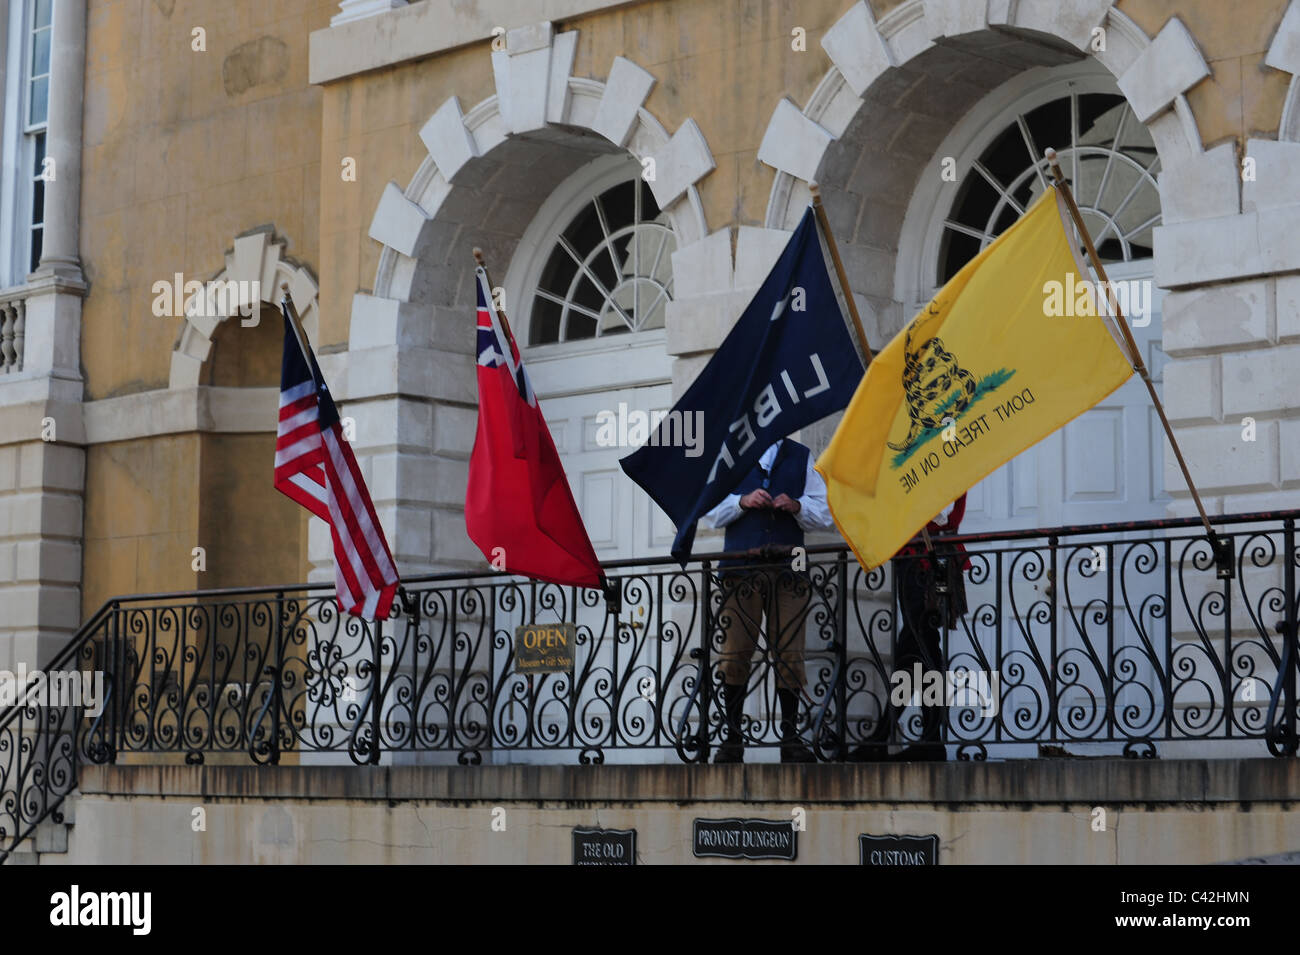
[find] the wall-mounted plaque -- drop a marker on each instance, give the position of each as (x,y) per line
(898,850)
(746,838)
(604,846)
(545,647)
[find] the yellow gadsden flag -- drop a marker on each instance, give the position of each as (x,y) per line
(1008,351)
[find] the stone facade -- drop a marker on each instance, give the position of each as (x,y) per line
(1149,812)
(357,152)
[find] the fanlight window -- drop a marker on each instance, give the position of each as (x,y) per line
(1108,156)
(610,271)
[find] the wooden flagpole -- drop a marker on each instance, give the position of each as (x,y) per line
(820,211)
(505,322)
(299,332)
(1223,558)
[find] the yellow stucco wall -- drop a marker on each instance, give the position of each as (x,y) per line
(1242,97)
(150,502)
(250,530)
(184,150)
(142,512)
(375,119)
(690,47)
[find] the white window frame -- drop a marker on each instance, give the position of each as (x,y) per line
(932,201)
(535,246)
(17,142)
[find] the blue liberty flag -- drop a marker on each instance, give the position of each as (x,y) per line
(789,360)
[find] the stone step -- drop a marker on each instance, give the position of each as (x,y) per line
(51,837)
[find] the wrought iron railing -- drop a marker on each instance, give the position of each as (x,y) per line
(1117,638)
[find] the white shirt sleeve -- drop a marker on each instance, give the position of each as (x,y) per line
(727,511)
(814,512)
(942,517)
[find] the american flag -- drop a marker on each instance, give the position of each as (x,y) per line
(315,466)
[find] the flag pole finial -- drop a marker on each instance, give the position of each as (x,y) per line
(300,333)
(500,310)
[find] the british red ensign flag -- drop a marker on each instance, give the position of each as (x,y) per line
(519,508)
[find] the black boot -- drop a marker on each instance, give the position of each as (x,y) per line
(921,753)
(732,747)
(792,748)
(875,748)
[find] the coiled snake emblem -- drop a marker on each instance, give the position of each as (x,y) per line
(934,384)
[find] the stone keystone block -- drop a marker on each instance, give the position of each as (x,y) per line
(535,36)
(684,161)
(857,49)
(448,141)
(1071,20)
(247,258)
(1170,66)
(793,143)
(954,17)
(398,221)
(1284,51)
(523,72)
(625,90)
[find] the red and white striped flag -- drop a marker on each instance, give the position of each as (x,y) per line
(315,466)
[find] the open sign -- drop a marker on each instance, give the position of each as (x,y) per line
(545,648)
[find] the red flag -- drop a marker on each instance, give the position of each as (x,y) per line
(518,505)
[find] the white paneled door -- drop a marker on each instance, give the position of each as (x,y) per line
(575,385)
(621,518)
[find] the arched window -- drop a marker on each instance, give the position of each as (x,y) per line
(1106,153)
(591,282)
(991,168)
(607,267)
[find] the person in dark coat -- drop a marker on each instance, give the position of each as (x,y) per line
(919,640)
(765,517)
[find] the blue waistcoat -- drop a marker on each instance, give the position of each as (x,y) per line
(767,527)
